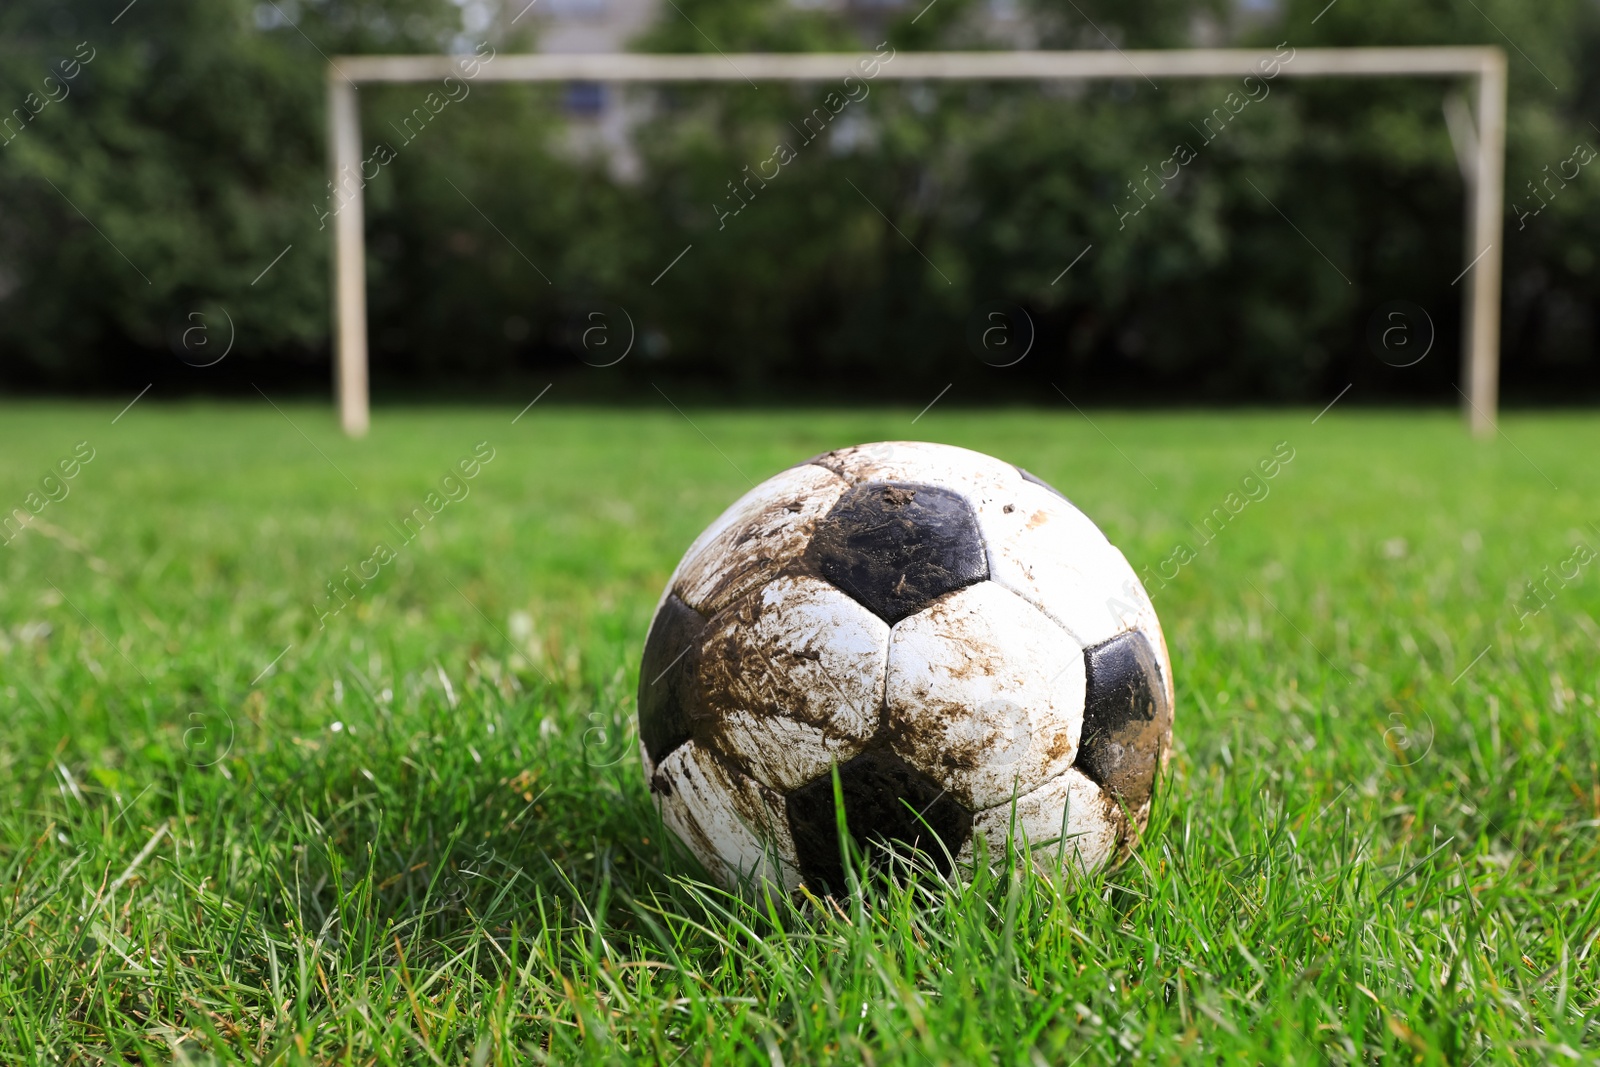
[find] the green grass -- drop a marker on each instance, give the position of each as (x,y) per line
(422,835)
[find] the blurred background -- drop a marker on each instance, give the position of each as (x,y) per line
(188,149)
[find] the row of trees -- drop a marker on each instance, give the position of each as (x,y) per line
(877,242)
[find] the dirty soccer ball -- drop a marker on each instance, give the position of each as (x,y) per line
(947,630)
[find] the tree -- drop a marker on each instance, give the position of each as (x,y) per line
(864,260)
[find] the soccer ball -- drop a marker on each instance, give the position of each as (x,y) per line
(945,630)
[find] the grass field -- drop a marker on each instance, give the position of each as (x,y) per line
(416,830)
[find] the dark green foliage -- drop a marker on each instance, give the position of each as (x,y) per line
(194,143)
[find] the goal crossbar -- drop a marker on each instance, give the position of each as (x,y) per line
(1482,161)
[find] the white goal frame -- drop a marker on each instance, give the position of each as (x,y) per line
(1482,158)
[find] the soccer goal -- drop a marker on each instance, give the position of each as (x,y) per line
(1480,146)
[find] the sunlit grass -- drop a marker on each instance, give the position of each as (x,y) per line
(417,830)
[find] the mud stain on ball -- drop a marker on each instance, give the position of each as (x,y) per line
(984,690)
(765,532)
(736,826)
(791,677)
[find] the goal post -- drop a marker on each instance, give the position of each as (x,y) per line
(1482,161)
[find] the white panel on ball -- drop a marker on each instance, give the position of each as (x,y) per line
(762,532)
(985,694)
(793,677)
(1050,554)
(1069,816)
(736,827)
(973,474)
